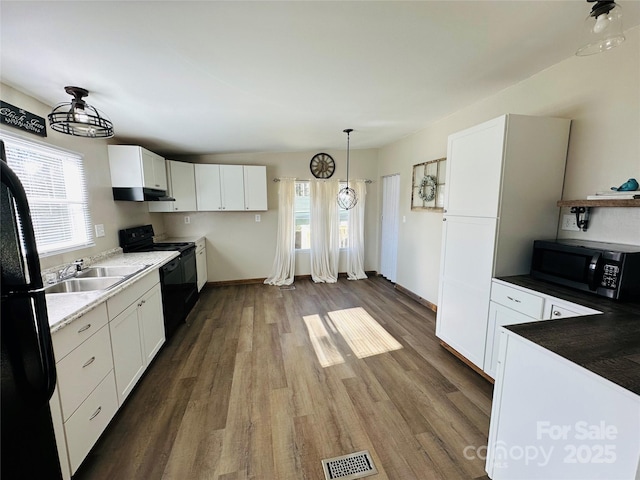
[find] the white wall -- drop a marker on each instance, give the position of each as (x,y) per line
(240,248)
(601,93)
(104,210)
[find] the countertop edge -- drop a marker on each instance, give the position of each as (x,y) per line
(605,344)
(85,302)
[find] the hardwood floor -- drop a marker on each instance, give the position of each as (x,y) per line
(239,393)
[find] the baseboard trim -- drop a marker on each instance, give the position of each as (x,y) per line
(466,361)
(253,281)
(417,298)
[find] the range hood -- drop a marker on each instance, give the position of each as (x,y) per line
(141,194)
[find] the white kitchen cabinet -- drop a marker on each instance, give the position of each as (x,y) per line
(128,354)
(255,187)
(474,170)
(223,188)
(504,178)
(133,166)
(152,323)
(58,429)
(219,187)
(464,288)
(512,304)
(137,331)
(181,185)
(208,187)
(85,398)
(201,263)
(88,422)
(558,420)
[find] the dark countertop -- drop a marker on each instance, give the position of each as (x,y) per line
(606,344)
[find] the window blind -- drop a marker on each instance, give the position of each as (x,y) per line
(56,189)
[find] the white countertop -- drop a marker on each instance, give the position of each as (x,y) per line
(64,308)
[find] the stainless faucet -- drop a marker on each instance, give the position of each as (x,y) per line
(70,270)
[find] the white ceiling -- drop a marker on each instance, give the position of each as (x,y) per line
(236,76)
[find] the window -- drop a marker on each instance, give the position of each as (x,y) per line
(302,209)
(55,185)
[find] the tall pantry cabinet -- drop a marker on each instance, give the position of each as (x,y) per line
(504,178)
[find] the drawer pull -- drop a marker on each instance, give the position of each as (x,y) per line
(96,413)
(556,313)
(89,362)
(85,328)
(514,299)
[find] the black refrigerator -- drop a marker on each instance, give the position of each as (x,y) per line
(28,367)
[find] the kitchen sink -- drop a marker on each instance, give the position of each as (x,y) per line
(115,271)
(75,285)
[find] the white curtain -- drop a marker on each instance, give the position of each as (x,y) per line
(355,257)
(284,263)
(325,243)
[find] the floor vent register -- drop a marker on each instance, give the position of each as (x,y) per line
(348,467)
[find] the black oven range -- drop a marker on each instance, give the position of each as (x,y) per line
(178,278)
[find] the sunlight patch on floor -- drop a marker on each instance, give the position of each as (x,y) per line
(362,333)
(324,346)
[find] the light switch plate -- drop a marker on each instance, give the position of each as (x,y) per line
(99,230)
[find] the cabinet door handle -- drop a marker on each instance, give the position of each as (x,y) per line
(95,414)
(514,299)
(556,313)
(85,328)
(89,362)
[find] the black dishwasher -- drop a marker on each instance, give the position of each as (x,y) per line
(178,279)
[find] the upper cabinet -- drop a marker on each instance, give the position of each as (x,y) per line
(181,186)
(230,187)
(255,187)
(136,173)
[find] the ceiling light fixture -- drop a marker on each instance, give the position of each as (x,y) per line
(78,118)
(347,197)
(602,28)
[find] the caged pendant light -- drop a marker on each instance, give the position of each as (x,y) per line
(347,197)
(78,118)
(602,28)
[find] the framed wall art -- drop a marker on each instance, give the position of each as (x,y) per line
(428,184)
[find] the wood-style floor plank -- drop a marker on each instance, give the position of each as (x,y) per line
(239,394)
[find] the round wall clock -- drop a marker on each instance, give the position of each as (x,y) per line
(322,165)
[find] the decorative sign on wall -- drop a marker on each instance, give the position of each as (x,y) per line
(19,118)
(427,191)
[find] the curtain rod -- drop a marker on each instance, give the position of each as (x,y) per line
(366,181)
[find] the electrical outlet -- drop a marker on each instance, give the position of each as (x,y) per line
(569,223)
(187,219)
(99,230)
(257,218)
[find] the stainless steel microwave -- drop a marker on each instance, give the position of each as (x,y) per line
(605,269)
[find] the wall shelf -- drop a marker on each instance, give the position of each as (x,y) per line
(581,208)
(599,203)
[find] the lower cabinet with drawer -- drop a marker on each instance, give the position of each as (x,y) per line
(511,305)
(137,331)
(99,359)
(86,391)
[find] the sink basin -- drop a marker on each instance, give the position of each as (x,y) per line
(115,271)
(75,285)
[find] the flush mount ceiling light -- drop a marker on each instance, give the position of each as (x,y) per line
(347,197)
(602,28)
(78,118)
